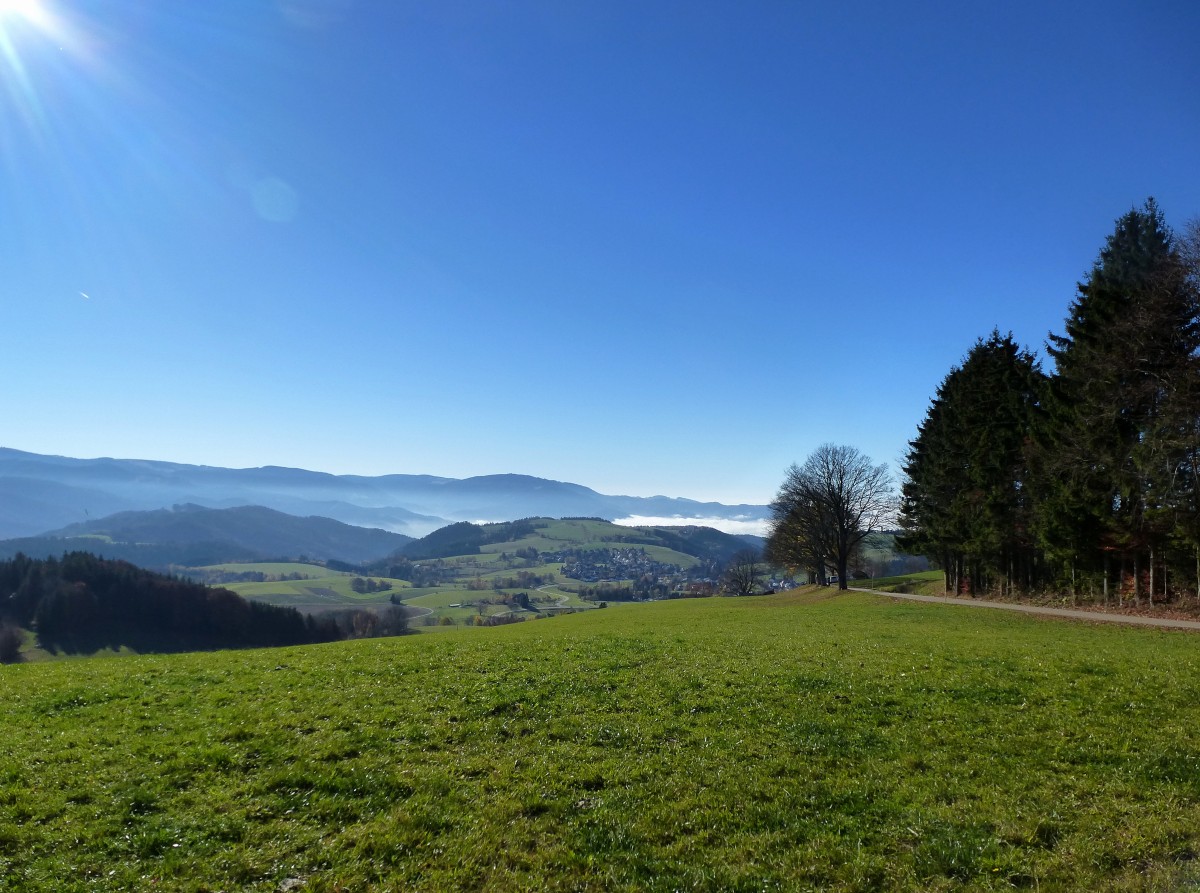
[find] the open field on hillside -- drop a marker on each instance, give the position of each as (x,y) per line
(320,592)
(555,536)
(330,590)
(462,606)
(790,742)
(317,589)
(923,583)
(275,568)
(552,535)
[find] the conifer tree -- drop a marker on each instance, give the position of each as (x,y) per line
(1122,401)
(966,494)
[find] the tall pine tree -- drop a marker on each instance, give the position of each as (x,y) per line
(1121,406)
(966,495)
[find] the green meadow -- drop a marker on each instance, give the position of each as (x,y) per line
(322,589)
(923,583)
(319,588)
(806,741)
(556,535)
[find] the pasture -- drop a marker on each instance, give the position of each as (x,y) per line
(801,741)
(556,535)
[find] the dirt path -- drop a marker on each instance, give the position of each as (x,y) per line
(1094,616)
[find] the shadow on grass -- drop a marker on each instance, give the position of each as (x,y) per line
(89,642)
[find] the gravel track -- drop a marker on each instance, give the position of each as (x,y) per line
(1094,616)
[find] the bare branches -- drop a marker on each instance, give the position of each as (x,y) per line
(743,574)
(827,507)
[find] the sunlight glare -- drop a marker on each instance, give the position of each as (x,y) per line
(30,10)
(30,30)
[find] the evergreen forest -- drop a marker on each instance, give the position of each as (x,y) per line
(1085,479)
(82,603)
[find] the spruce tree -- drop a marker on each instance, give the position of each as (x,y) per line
(1122,404)
(966,495)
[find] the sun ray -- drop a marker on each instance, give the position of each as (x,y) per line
(35,12)
(31,34)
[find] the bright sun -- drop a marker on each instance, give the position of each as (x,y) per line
(19,20)
(28,28)
(15,14)
(21,9)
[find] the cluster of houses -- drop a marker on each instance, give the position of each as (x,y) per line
(606,565)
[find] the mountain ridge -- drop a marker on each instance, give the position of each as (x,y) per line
(57,491)
(190,534)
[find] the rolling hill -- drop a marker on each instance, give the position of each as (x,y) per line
(550,535)
(192,535)
(40,493)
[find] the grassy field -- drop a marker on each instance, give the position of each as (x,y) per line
(322,589)
(332,591)
(923,583)
(277,568)
(555,536)
(793,742)
(319,588)
(462,606)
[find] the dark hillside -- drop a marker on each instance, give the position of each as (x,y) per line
(192,534)
(152,556)
(705,543)
(29,506)
(81,603)
(463,538)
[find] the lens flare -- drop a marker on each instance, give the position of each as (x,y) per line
(24,9)
(20,21)
(34,41)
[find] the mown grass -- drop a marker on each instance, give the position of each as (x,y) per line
(806,741)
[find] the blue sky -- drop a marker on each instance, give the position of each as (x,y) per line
(651,248)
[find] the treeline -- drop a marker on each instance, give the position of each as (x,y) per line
(81,603)
(1086,479)
(217,577)
(465,538)
(523,580)
(368,584)
(143,554)
(432,572)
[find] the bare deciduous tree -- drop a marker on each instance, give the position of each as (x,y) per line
(743,573)
(826,508)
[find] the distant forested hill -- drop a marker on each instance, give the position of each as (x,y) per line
(40,493)
(550,535)
(192,535)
